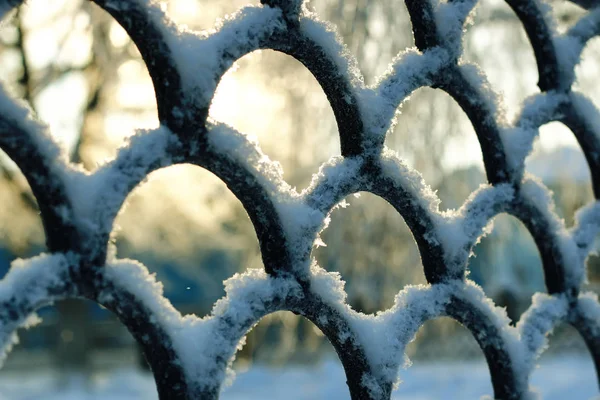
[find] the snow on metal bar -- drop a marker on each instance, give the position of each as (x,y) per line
(189,356)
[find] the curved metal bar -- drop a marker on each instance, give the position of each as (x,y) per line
(371,177)
(258,204)
(418,219)
(589,329)
(146,25)
(143,155)
(150,319)
(466,304)
(169,374)
(409,72)
(300,300)
(422,17)
(39,159)
(350,352)
(538,321)
(546,241)
(507,383)
(291,39)
(586,28)
(586,136)
(483,117)
(337,88)
(47,277)
(477,212)
(540,36)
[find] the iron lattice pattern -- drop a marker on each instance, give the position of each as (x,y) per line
(190,356)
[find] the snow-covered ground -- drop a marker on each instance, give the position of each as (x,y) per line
(557,379)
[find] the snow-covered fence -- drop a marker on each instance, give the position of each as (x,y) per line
(190,357)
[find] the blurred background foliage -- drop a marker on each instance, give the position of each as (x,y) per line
(82,75)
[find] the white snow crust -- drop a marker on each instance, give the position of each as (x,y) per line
(207,346)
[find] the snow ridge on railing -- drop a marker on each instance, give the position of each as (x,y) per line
(190,356)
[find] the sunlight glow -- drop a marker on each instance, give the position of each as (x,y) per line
(242,102)
(59,105)
(118,36)
(186,9)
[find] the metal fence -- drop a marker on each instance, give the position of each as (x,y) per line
(189,356)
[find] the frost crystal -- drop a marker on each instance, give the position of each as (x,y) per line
(191,356)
